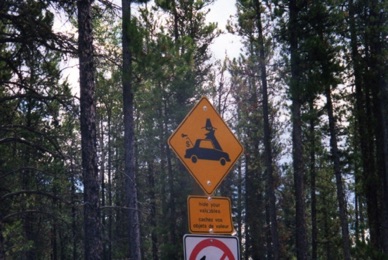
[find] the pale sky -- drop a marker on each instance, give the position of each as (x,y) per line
(220,12)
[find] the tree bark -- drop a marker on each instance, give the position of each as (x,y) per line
(102,152)
(297,145)
(2,249)
(110,200)
(92,226)
(376,35)
(129,138)
(365,131)
(270,189)
(153,208)
(337,172)
(171,210)
(314,229)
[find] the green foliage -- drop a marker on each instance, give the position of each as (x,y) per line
(33,185)
(15,241)
(364,250)
(40,173)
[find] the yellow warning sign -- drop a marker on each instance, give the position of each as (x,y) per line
(209,215)
(206,145)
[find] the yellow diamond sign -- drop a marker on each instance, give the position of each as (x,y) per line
(206,146)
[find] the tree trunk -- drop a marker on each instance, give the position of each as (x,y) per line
(73,217)
(129,139)
(326,230)
(254,181)
(2,249)
(297,145)
(337,171)
(92,226)
(270,189)
(152,216)
(365,134)
(109,190)
(377,64)
(102,152)
(239,217)
(384,160)
(171,210)
(384,122)
(255,207)
(314,230)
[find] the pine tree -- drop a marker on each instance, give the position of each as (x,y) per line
(297,146)
(92,224)
(170,67)
(129,132)
(33,174)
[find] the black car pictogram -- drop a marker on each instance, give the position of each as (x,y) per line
(204,149)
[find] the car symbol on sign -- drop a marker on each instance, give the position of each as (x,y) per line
(203,149)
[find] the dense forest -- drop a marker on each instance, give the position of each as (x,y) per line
(85,168)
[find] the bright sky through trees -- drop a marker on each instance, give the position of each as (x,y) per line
(220,12)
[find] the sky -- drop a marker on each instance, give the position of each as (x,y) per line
(225,44)
(229,44)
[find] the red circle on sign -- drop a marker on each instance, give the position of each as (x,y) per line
(212,242)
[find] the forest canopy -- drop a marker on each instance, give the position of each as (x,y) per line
(85,167)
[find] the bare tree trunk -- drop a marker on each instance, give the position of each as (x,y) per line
(240,183)
(110,201)
(2,249)
(337,171)
(100,134)
(314,230)
(171,210)
(365,134)
(384,108)
(73,217)
(239,217)
(92,226)
(297,145)
(384,122)
(377,62)
(152,216)
(129,138)
(270,189)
